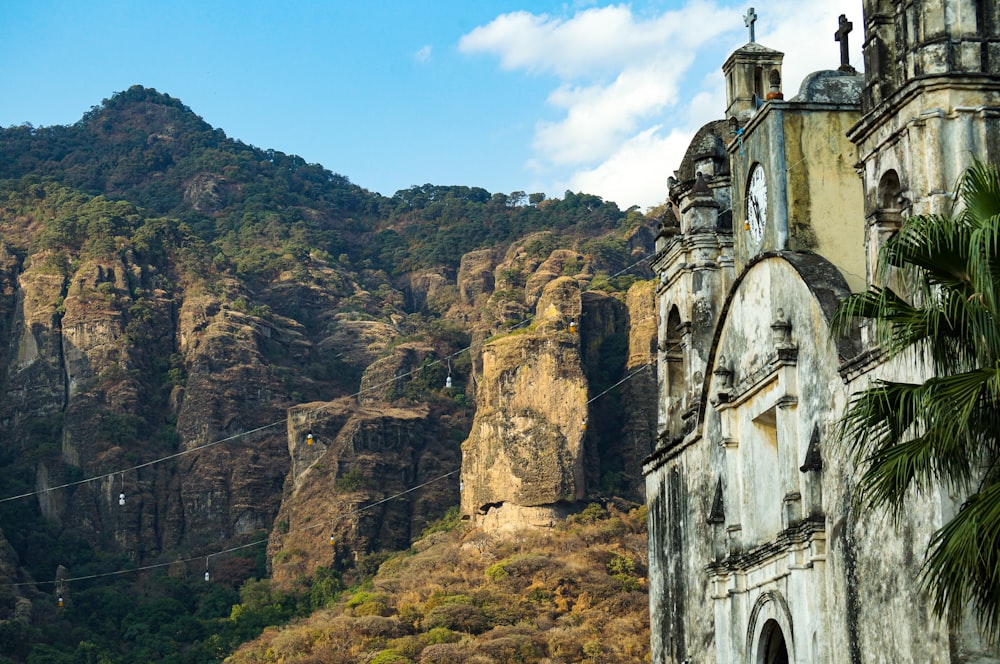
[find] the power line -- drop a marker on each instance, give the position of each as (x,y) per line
(626,378)
(318,409)
(327,523)
(205,556)
(142,465)
(227,439)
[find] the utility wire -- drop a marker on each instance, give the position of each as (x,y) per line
(227,439)
(142,465)
(204,556)
(318,409)
(626,378)
(328,523)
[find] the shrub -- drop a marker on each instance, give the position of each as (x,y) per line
(391,656)
(369,604)
(620,564)
(497,572)
(440,635)
(593,648)
(591,513)
(458,617)
(451,520)
(352,480)
(445,653)
(378,627)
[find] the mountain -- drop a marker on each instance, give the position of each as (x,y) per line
(250,348)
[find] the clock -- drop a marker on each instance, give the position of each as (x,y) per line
(756,203)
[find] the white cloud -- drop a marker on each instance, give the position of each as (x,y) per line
(804,31)
(599,117)
(617,70)
(626,107)
(636,173)
(594,42)
(423,54)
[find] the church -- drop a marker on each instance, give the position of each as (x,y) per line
(757,552)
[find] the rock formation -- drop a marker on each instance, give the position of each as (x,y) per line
(531,457)
(349,491)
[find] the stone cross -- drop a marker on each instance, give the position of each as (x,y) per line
(749,20)
(841,35)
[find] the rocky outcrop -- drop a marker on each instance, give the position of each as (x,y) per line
(385,378)
(171,383)
(107,371)
(559,263)
(526,448)
(351,489)
(475,275)
(15,609)
(357,342)
(427,289)
(565,408)
(639,393)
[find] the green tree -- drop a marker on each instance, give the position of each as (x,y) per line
(945,430)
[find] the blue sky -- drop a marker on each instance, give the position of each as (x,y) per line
(531,95)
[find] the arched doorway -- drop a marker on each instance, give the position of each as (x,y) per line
(772,649)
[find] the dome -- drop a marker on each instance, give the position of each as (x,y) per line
(708,143)
(831,86)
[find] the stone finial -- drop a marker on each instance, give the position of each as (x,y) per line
(781,329)
(669,218)
(718,512)
(723,373)
(723,382)
(700,185)
(814,459)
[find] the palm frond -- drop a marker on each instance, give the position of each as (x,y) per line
(963,563)
(980,191)
(944,304)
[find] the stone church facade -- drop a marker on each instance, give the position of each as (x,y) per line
(777,212)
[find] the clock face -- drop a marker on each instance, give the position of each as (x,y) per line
(756,203)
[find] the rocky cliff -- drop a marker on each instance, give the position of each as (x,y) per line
(174,334)
(114,361)
(533,453)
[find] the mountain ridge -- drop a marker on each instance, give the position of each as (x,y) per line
(163,288)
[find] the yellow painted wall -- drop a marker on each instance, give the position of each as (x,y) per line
(825,194)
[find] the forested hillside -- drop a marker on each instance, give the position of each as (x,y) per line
(167,294)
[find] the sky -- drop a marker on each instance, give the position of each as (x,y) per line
(508,95)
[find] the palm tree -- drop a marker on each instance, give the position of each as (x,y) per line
(945,431)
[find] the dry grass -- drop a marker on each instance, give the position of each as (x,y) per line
(573,594)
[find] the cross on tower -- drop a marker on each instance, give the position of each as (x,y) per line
(840,35)
(749,20)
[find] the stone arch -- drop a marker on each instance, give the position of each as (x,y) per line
(888,210)
(676,382)
(774,84)
(889,196)
(769,632)
(827,286)
(759,85)
(772,648)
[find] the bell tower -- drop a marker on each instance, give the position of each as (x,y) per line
(753,75)
(930,105)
